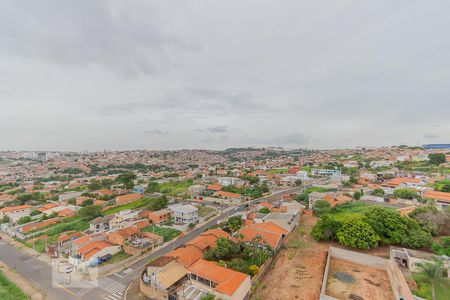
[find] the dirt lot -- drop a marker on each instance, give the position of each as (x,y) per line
(365,282)
(298,269)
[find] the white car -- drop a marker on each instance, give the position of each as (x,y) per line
(68,269)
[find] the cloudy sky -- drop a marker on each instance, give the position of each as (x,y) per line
(92,75)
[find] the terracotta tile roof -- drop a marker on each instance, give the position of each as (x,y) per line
(227,280)
(268,231)
(14,208)
(399,180)
(47,206)
(441,196)
(93,247)
(214,187)
(186,255)
(227,194)
(127,232)
(207,239)
(66,212)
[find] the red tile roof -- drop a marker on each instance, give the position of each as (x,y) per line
(227,280)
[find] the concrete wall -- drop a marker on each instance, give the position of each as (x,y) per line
(359,258)
(398,283)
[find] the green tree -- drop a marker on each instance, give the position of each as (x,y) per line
(417,238)
(5,219)
(53,215)
(298,182)
(24,220)
(433,273)
(208,297)
(90,212)
(87,202)
(232,224)
(357,195)
(153,187)
(357,233)
(446,188)
(405,194)
(158,203)
(432,220)
(127,179)
(378,192)
(35,212)
(388,224)
(346,184)
(436,158)
(94,184)
(442,247)
(302,198)
(321,207)
(224,249)
(326,228)
(257,250)
(264,210)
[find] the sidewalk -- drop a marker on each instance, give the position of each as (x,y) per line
(22,283)
(133,292)
(28,251)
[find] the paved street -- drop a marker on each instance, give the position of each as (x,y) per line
(112,287)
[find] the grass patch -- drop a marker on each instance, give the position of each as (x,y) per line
(133,205)
(10,291)
(175,188)
(167,233)
(424,288)
(119,256)
(204,210)
(277,171)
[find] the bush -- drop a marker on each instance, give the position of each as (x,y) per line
(326,229)
(357,233)
(432,220)
(442,247)
(321,207)
(417,239)
(264,210)
(405,194)
(378,192)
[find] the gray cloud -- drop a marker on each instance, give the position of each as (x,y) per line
(157,132)
(431,136)
(115,36)
(299,73)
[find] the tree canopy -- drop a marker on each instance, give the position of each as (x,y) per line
(357,233)
(436,158)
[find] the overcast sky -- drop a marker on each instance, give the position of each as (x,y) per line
(92,75)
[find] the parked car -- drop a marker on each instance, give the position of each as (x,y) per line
(106,257)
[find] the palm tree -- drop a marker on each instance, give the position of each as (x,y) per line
(433,273)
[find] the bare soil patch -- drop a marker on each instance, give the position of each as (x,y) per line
(348,280)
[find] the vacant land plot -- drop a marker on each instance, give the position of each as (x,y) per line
(204,210)
(297,270)
(347,280)
(175,187)
(167,233)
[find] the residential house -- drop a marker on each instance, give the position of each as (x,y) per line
(271,233)
(160,216)
(184,213)
(89,254)
(100,224)
(14,213)
(442,199)
(124,235)
(222,282)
